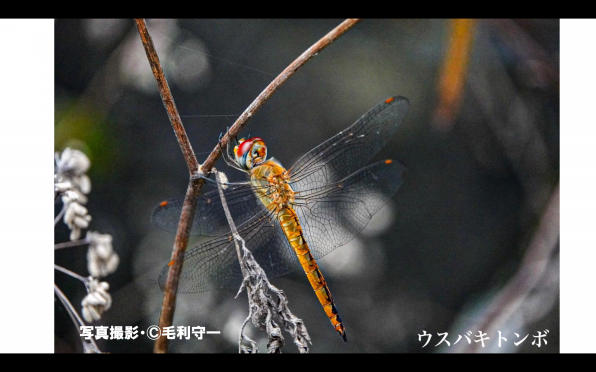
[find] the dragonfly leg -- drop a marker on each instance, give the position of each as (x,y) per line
(226,155)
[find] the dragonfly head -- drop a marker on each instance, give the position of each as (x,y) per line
(250,152)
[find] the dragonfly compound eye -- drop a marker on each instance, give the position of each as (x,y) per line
(258,149)
(250,151)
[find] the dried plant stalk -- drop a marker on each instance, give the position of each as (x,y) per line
(264,310)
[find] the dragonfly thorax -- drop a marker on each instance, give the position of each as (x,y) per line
(250,152)
(271,184)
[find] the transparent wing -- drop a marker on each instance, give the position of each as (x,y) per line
(329,162)
(209,217)
(214,264)
(330,217)
(350,149)
(333,214)
(335,200)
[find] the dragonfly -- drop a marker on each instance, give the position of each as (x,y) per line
(290,218)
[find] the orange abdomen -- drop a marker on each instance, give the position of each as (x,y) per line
(291,226)
(273,190)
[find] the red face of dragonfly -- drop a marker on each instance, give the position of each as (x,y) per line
(250,152)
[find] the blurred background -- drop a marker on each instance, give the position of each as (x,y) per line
(465,245)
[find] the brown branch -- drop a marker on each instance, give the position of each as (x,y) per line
(195,185)
(166,97)
(180,243)
(190,200)
(275,84)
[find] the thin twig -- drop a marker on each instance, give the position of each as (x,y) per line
(71,273)
(531,270)
(74,316)
(237,237)
(59,216)
(195,185)
(76,243)
(231,223)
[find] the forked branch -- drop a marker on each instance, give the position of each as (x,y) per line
(195,184)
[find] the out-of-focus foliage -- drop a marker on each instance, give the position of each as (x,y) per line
(79,125)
